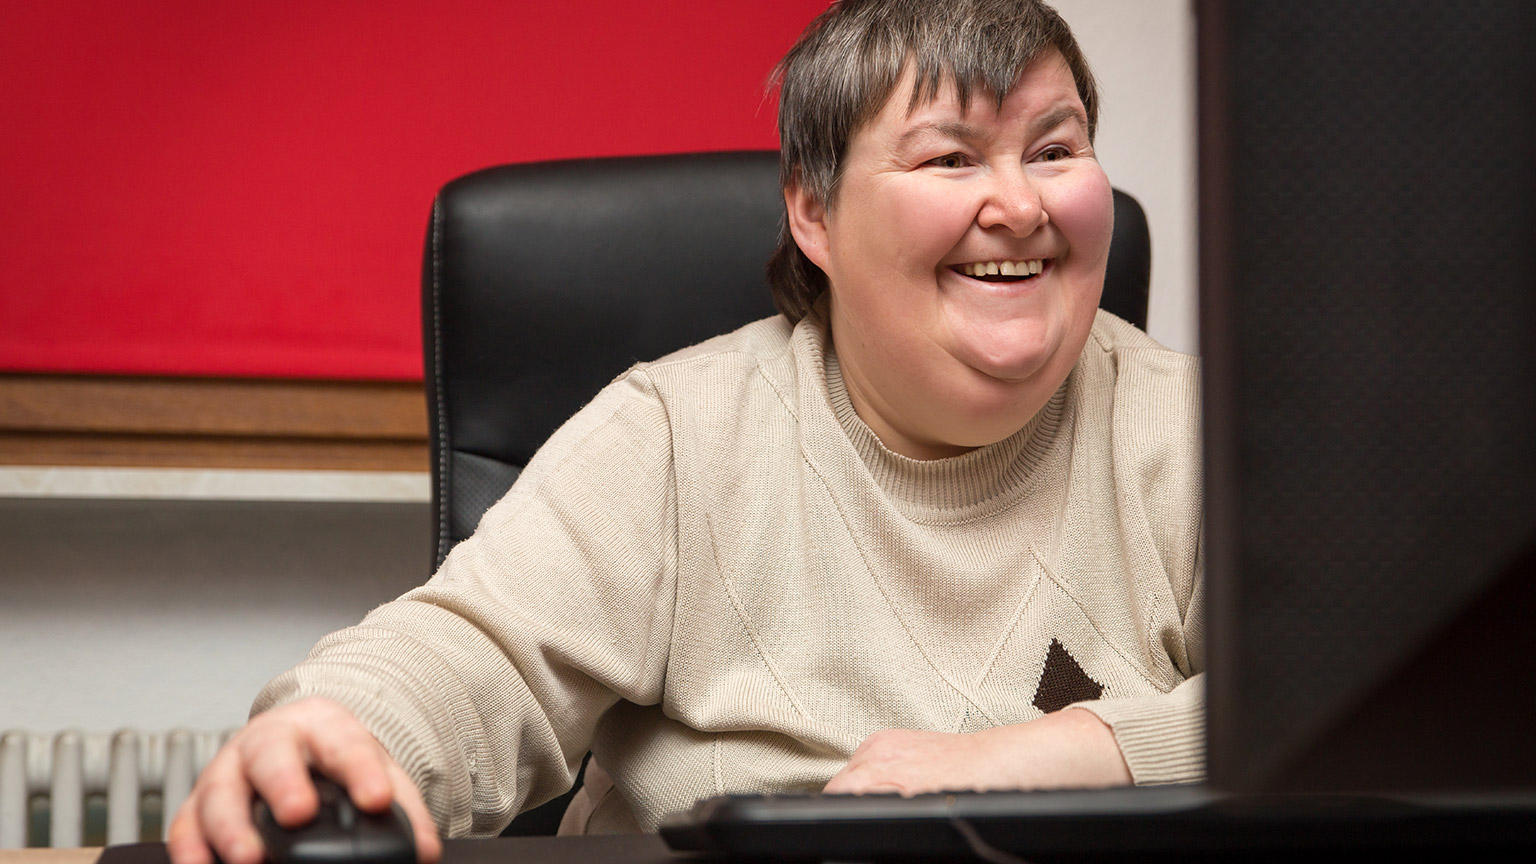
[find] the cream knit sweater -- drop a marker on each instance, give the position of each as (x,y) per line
(718,579)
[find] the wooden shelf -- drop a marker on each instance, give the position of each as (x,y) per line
(212,423)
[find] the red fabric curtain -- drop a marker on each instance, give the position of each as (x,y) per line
(242,188)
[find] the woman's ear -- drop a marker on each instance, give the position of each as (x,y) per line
(808,223)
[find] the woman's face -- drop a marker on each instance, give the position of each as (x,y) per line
(965,249)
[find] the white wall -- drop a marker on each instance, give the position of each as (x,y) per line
(1143,53)
(169,613)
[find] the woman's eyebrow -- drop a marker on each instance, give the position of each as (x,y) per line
(958,131)
(1057,116)
(950,129)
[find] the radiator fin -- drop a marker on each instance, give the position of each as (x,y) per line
(140,775)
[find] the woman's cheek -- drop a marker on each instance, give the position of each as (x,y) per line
(1084,210)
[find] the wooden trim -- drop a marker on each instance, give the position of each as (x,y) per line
(85,855)
(212,423)
(156,451)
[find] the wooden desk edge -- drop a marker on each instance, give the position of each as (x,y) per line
(622,848)
(87,855)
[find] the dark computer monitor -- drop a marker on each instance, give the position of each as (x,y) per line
(1368,327)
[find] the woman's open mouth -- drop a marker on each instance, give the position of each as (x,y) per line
(1001,271)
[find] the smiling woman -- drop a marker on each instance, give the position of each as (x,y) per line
(926,530)
(936,360)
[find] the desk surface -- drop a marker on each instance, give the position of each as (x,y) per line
(49,856)
(617,848)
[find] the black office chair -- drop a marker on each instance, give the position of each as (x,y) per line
(542,282)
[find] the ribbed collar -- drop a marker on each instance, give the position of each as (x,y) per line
(939,490)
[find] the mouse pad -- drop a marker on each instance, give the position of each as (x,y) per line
(616,848)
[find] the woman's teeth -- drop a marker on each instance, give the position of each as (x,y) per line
(1003,268)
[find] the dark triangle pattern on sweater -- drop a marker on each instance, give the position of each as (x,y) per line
(1063,681)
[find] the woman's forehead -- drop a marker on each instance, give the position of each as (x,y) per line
(1045,90)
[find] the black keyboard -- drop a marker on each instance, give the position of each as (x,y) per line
(1170,823)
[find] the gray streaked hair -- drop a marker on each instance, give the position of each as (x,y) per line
(847,63)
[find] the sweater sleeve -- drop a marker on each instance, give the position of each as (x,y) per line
(486,684)
(1156,456)
(1162,736)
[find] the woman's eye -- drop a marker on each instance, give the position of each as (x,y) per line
(1053,154)
(949,160)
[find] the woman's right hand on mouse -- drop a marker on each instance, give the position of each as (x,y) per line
(271,758)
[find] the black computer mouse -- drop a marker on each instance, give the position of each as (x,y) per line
(339,834)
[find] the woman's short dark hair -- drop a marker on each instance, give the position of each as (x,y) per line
(845,66)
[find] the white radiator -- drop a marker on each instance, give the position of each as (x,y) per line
(61,773)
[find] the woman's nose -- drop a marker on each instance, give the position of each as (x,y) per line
(1013,203)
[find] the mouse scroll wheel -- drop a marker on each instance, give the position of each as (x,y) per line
(334,799)
(346,814)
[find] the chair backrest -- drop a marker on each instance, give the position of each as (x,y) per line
(541,282)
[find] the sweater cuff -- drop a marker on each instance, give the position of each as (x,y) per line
(1162,737)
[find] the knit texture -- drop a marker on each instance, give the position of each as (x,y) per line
(717,578)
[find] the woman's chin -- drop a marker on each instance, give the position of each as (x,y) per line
(1007,361)
(1012,348)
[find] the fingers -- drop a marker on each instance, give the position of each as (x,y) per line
(216,818)
(184,843)
(1070,748)
(272,758)
(184,840)
(344,750)
(911,762)
(851,781)
(355,759)
(876,766)
(429,847)
(866,778)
